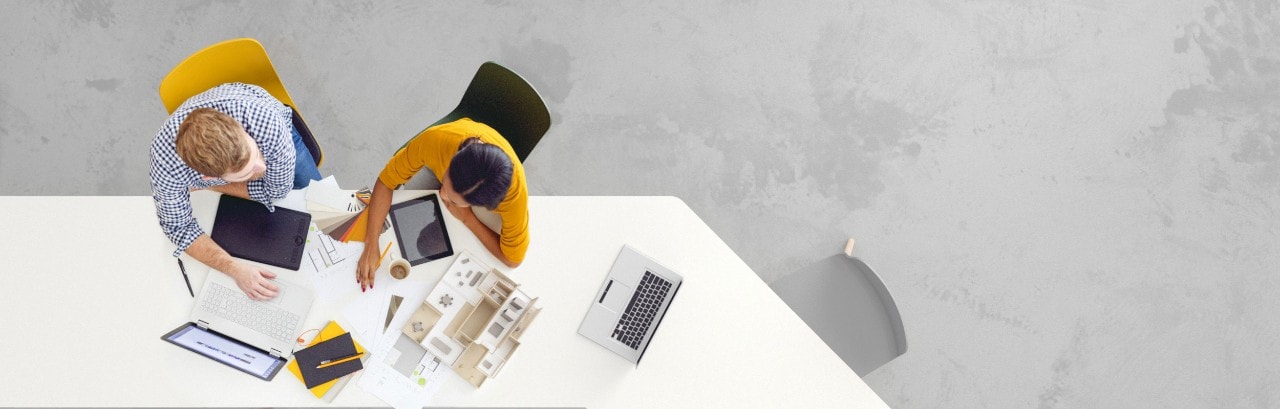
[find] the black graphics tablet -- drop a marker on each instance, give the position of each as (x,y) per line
(226,350)
(245,229)
(420,230)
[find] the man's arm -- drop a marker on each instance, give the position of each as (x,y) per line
(237,189)
(173,207)
(251,279)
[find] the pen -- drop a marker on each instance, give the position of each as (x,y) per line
(331,362)
(184,277)
(384,255)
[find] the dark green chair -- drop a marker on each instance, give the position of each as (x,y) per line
(506,102)
(500,98)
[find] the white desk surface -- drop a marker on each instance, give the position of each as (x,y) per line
(89,288)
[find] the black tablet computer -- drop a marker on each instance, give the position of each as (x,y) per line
(228,351)
(246,229)
(420,230)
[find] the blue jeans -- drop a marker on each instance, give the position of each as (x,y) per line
(304,168)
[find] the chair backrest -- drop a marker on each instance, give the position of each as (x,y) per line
(239,60)
(845,302)
(886,301)
(506,102)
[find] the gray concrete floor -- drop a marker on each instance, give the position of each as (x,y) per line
(1074,202)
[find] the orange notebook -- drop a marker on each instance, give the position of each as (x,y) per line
(330,330)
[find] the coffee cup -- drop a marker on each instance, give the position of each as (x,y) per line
(399,268)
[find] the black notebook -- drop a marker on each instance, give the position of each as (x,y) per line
(245,229)
(333,348)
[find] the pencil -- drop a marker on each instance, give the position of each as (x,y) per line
(384,255)
(331,362)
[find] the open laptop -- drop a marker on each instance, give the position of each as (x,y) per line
(255,337)
(627,309)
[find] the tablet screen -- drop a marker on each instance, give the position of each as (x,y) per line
(420,230)
(230,352)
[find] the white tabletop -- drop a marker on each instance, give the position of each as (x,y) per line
(90,288)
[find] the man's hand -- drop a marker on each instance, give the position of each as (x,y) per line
(254,281)
(251,279)
(368,266)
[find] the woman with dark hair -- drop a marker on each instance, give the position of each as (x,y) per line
(476,167)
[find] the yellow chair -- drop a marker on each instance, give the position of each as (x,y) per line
(239,60)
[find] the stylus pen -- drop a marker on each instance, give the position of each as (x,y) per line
(331,362)
(184,278)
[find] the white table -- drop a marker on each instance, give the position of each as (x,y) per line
(89,288)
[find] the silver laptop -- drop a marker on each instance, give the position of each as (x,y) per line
(630,304)
(272,325)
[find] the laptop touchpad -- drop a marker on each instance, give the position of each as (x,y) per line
(617,298)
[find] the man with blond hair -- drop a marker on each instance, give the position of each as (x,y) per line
(235,139)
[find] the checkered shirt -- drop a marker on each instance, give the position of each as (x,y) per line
(264,118)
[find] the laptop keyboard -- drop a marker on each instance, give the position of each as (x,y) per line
(236,307)
(634,324)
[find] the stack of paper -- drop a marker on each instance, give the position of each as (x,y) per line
(330,261)
(401,373)
(330,265)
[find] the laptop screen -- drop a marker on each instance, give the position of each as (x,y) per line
(228,351)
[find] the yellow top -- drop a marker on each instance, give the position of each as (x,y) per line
(435,147)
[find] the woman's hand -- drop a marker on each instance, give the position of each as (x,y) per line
(463,213)
(367,267)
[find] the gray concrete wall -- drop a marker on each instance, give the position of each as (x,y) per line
(1075,203)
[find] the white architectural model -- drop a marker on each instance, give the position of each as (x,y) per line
(473,319)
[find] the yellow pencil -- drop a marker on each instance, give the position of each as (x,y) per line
(384,255)
(331,362)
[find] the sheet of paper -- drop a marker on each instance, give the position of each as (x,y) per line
(323,252)
(365,316)
(360,314)
(325,195)
(330,265)
(296,200)
(400,372)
